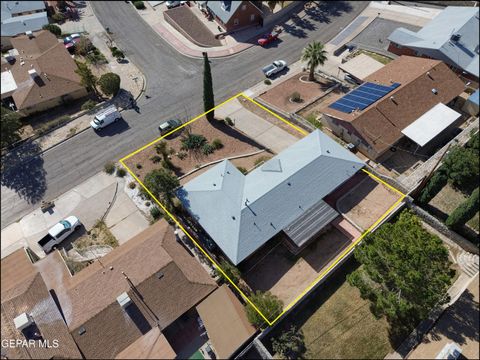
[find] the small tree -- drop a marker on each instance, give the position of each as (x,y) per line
(162,149)
(109,84)
(291,344)
(462,166)
(10,127)
(162,184)
(87,78)
(434,185)
(58,18)
(54,29)
(117,53)
(208,98)
(464,212)
(474,142)
(83,46)
(230,270)
(314,54)
(268,304)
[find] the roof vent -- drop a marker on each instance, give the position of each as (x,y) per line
(435,91)
(29,33)
(23,321)
(124,300)
(455,37)
(81,331)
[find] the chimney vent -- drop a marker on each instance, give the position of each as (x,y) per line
(23,321)
(29,33)
(33,73)
(124,300)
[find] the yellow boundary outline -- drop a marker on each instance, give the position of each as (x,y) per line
(322,274)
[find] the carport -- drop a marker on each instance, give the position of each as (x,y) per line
(361,66)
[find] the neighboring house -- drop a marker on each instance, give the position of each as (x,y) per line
(452,36)
(114,305)
(18,17)
(234,15)
(38,74)
(226,322)
(242,212)
(471,105)
(29,313)
(407,91)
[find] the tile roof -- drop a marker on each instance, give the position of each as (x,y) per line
(226,321)
(51,61)
(251,209)
(381,123)
(164,282)
(435,38)
(28,293)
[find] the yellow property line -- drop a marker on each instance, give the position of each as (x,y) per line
(321,276)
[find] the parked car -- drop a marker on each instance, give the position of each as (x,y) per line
(172,4)
(105,118)
(58,233)
(267,38)
(71,37)
(169,125)
(274,68)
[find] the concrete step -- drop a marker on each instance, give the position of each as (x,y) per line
(469,263)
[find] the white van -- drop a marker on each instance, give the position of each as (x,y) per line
(105,118)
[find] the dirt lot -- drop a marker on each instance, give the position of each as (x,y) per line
(286,275)
(367,202)
(280,95)
(234,143)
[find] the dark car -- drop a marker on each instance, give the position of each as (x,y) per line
(169,125)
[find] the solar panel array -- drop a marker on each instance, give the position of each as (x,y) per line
(362,97)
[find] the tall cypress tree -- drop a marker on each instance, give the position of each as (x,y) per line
(208,99)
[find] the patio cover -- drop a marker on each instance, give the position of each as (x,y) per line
(361,66)
(430,124)
(310,223)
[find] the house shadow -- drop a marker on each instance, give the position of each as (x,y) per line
(356,195)
(233,132)
(23,172)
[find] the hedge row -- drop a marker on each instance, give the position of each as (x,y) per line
(436,183)
(464,212)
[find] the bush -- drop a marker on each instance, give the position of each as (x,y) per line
(462,168)
(167,164)
(193,142)
(138,166)
(96,57)
(207,149)
(268,304)
(229,121)
(148,203)
(88,105)
(464,212)
(290,344)
(267,82)
(155,213)
(261,159)
(436,183)
(83,46)
(242,170)
(58,17)
(54,29)
(109,84)
(182,155)
(156,159)
(132,185)
(230,270)
(109,168)
(121,172)
(295,97)
(312,119)
(139,5)
(217,144)
(474,142)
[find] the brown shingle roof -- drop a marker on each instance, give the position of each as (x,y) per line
(53,64)
(382,122)
(30,295)
(152,345)
(90,302)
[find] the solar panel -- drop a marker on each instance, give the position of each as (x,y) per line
(362,97)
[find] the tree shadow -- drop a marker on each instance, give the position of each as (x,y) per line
(294,31)
(23,172)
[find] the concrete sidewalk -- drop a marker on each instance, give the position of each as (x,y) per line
(89,201)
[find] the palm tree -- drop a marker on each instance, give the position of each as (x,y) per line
(314,54)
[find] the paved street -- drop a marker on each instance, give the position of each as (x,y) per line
(174,88)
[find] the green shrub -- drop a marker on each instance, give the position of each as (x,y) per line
(464,212)
(295,97)
(96,57)
(193,142)
(474,142)
(88,105)
(138,166)
(267,303)
(109,168)
(148,203)
(229,121)
(54,29)
(217,144)
(156,213)
(312,119)
(139,5)
(109,83)
(83,46)
(132,185)
(436,183)
(181,155)
(121,172)
(267,82)
(58,17)
(207,149)
(167,164)
(156,159)
(242,170)
(230,270)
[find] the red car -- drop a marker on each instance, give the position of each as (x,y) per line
(267,39)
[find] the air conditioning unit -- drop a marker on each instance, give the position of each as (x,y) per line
(29,33)
(124,300)
(23,321)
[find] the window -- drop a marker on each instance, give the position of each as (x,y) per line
(244,7)
(235,21)
(252,17)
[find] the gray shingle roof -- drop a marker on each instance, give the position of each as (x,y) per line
(20,24)
(435,38)
(241,213)
(224,9)
(10,8)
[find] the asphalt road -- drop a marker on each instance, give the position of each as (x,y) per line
(174,88)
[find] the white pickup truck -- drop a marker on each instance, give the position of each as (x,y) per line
(58,233)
